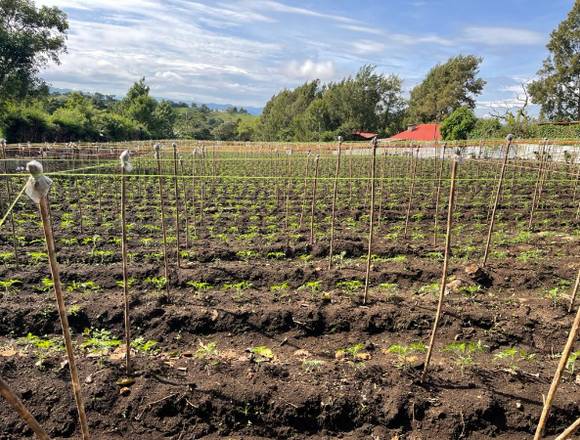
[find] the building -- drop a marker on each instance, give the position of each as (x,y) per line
(418,132)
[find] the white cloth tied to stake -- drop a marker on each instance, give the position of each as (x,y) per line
(38,184)
(125,164)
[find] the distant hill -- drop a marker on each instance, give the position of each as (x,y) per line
(218,107)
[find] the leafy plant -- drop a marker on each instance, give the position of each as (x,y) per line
(513,356)
(262,353)
(8,285)
(158,282)
(144,346)
(406,353)
(99,341)
(463,352)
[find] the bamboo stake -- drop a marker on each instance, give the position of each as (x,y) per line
(176,191)
(287,198)
(566,434)
(557,376)
(445,266)
(304,192)
(185,203)
(371,219)
(37,189)
(334,194)
(22,411)
(536,187)
(438,193)
(350,175)
(574,292)
(509,139)
(313,201)
(411,191)
(162,208)
(125,168)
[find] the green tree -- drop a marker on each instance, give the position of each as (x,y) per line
(138,105)
(446,87)
(164,116)
(458,124)
(30,37)
(558,88)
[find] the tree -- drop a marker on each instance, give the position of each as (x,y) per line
(458,124)
(165,117)
(446,87)
(30,37)
(138,105)
(557,89)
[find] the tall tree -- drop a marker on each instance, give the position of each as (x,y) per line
(138,105)
(558,88)
(446,87)
(30,37)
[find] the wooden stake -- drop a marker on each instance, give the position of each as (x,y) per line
(50,248)
(313,201)
(438,193)
(185,203)
(445,266)
(125,276)
(176,191)
(371,219)
(557,376)
(304,192)
(497,196)
(19,407)
(569,431)
(334,194)
(162,208)
(537,185)
(411,191)
(574,292)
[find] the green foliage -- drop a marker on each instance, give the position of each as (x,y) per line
(405,353)
(158,282)
(458,124)
(556,89)
(99,341)
(262,353)
(446,87)
(144,345)
(368,101)
(30,37)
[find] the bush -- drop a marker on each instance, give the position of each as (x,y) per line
(458,124)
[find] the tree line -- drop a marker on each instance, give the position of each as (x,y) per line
(369,101)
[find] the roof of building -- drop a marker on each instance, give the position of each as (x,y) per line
(365,134)
(420,132)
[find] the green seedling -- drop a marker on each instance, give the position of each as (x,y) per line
(158,282)
(99,341)
(262,354)
(8,285)
(406,354)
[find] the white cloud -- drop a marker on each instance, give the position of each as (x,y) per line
(309,69)
(501,36)
(364,47)
(283,8)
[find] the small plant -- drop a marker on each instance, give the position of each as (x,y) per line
(83,287)
(158,282)
(350,287)
(278,255)
(74,310)
(571,362)
(513,357)
(38,257)
(5,257)
(99,341)
(463,352)
(313,286)
(353,352)
(246,254)
(42,347)
(262,354)
(406,353)
(430,289)
(311,365)
(527,256)
(280,290)
(206,351)
(8,285)
(144,346)
(45,285)
(553,295)
(199,286)
(131,281)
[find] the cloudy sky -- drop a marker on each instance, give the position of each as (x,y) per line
(242,52)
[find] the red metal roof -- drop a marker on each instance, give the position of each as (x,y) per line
(365,134)
(420,132)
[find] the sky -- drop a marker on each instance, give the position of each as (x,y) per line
(243,52)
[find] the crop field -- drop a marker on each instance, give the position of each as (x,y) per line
(290,291)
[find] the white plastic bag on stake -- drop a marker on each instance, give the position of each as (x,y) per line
(125,163)
(38,184)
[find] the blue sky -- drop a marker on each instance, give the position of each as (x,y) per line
(242,52)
